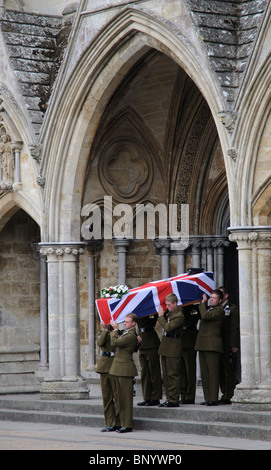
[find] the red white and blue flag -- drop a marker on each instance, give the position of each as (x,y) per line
(145,300)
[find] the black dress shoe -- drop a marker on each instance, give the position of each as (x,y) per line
(224,402)
(187,402)
(203,402)
(168,404)
(153,403)
(211,403)
(122,429)
(110,429)
(144,403)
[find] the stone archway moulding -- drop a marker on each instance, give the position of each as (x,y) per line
(84,100)
(11,202)
(254,110)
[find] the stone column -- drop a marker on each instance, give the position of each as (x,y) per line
(209,253)
(122,244)
(180,255)
(42,370)
(17,146)
(254,253)
(63,380)
(43,315)
(219,244)
(164,247)
(93,248)
(195,243)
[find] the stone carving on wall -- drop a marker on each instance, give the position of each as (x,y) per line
(228,119)
(9,161)
(7,158)
(125,170)
(6,163)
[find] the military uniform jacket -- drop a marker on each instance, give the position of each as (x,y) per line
(231,327)
(146,330)
(123,364)
(172,324)
(210,330)
(104,362)
(190,331)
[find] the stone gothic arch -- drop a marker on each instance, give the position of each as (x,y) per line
(252,137)
(85,98)
(20,302)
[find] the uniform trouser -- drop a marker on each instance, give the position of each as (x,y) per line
(228,379)
(209,368)
(150,374)
(124,400)
(108,387)
(188,379)
(171,377)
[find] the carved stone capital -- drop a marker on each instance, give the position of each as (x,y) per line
(61,249)
(160,243)
(94,246)
(258,237)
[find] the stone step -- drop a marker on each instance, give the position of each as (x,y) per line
(222,421)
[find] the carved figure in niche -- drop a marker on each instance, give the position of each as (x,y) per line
(7,158)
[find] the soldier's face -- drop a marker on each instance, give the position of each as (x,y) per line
(215,300)
(128,323)
(171,305)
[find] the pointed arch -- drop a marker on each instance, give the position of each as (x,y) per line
(261,204)
(11,203)
(213,209)
(81,103)
(15,118)
(255,110)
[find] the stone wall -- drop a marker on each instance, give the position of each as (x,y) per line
(19,306)
(19,276)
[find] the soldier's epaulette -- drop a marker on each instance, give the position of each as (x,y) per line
(124,333)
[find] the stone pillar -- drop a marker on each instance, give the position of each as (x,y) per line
(209,254)
(219,243)
(122,244)
(254,253)
(164,247)
(180,255)
(43,315)
(63,380)
(93,247)
(17,146)
(195,243)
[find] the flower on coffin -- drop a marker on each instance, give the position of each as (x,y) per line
(114,291)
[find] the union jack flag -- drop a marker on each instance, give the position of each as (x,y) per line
(145,300)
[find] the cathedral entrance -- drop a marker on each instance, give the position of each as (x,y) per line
(157,144)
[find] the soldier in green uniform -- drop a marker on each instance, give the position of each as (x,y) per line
(209,344)
(108,386)
(231,346)
(123,369)
(188,378)
(170,350)
(149,361)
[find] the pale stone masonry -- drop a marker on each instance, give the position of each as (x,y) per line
(146,102)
